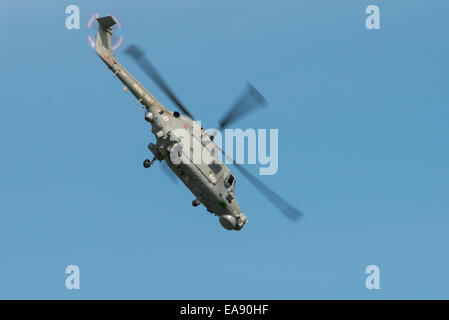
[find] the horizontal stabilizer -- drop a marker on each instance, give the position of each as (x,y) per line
(106,22)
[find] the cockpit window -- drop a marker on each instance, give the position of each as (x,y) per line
(231,179)
(215,167)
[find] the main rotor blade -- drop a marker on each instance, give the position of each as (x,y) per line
(145,64)
(249,100)
(285,207)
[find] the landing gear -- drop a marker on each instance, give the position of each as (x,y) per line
(196,203)
(147,163)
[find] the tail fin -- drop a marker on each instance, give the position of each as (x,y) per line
(103,45)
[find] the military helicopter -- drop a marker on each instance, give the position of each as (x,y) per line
(212,183)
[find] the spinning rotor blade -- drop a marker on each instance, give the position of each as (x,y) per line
(247,102)
(145,64)
(286,208)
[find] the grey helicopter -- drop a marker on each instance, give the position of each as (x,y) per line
(212,182)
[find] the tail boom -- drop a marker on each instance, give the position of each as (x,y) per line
(103,47)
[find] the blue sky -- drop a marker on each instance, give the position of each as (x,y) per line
(363,126)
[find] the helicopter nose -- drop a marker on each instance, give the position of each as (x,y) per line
(241,221)
(233,222)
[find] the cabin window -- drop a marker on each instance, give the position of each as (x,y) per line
(215,167)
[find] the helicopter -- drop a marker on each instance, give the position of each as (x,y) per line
(211,182)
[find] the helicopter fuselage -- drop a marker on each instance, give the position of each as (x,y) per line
(212,183)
